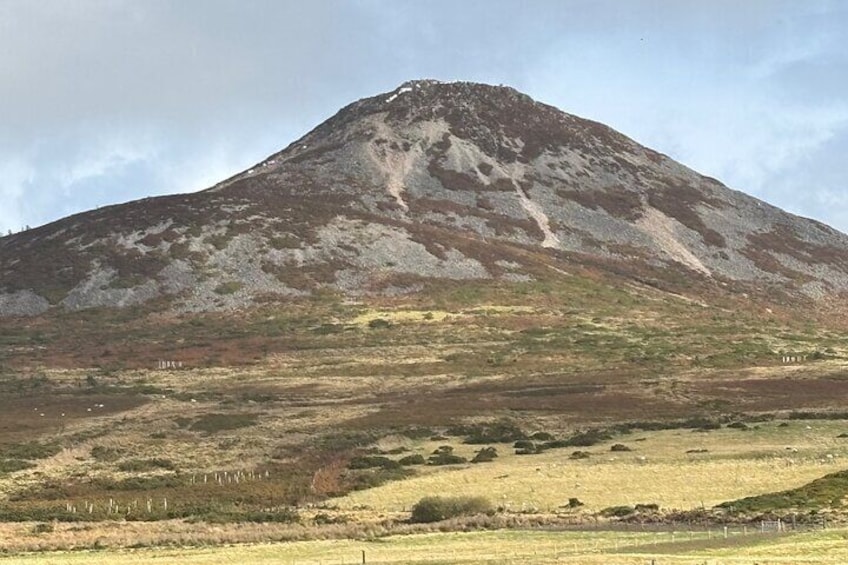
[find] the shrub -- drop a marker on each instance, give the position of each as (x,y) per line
(620,447)
(588,438)
(649,507)
(106,454)
(437,508)
(580,455)
(445,458)
(12,465)
(528,448)
(373,461)
(485,455)
(542,436)
(618,511)
(574,503)
(31,450)
(738,425)
(416,459)
(143,465)
(379,323)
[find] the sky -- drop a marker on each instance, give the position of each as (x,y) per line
(106,101)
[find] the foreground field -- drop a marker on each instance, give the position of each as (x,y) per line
(532,548)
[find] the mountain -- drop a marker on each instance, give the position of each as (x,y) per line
(430,182)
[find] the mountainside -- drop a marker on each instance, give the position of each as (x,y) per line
(431,181)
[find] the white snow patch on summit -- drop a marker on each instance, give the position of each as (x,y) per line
(400,91)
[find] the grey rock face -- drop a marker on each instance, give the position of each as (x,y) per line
(23,303)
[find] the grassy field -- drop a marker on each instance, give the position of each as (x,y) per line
(532,548)
(676,469)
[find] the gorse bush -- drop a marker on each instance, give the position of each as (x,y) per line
(416,459)
(618,511)
(444,456)
(373,461)
(437,508)
(485,455)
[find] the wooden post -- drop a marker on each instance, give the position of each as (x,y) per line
(363,557)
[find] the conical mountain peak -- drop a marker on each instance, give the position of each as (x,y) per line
(431,181)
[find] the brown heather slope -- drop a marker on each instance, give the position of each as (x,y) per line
(430,182)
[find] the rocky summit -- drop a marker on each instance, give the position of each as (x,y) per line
(428,182)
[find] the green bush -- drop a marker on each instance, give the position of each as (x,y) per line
(437,508)
(485,455)
(443,455)
(618,511)
(373,461)
(588,438)
(106,454)
(31,450)
(12,465)
(738,425)
(574,503)
(416,459)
